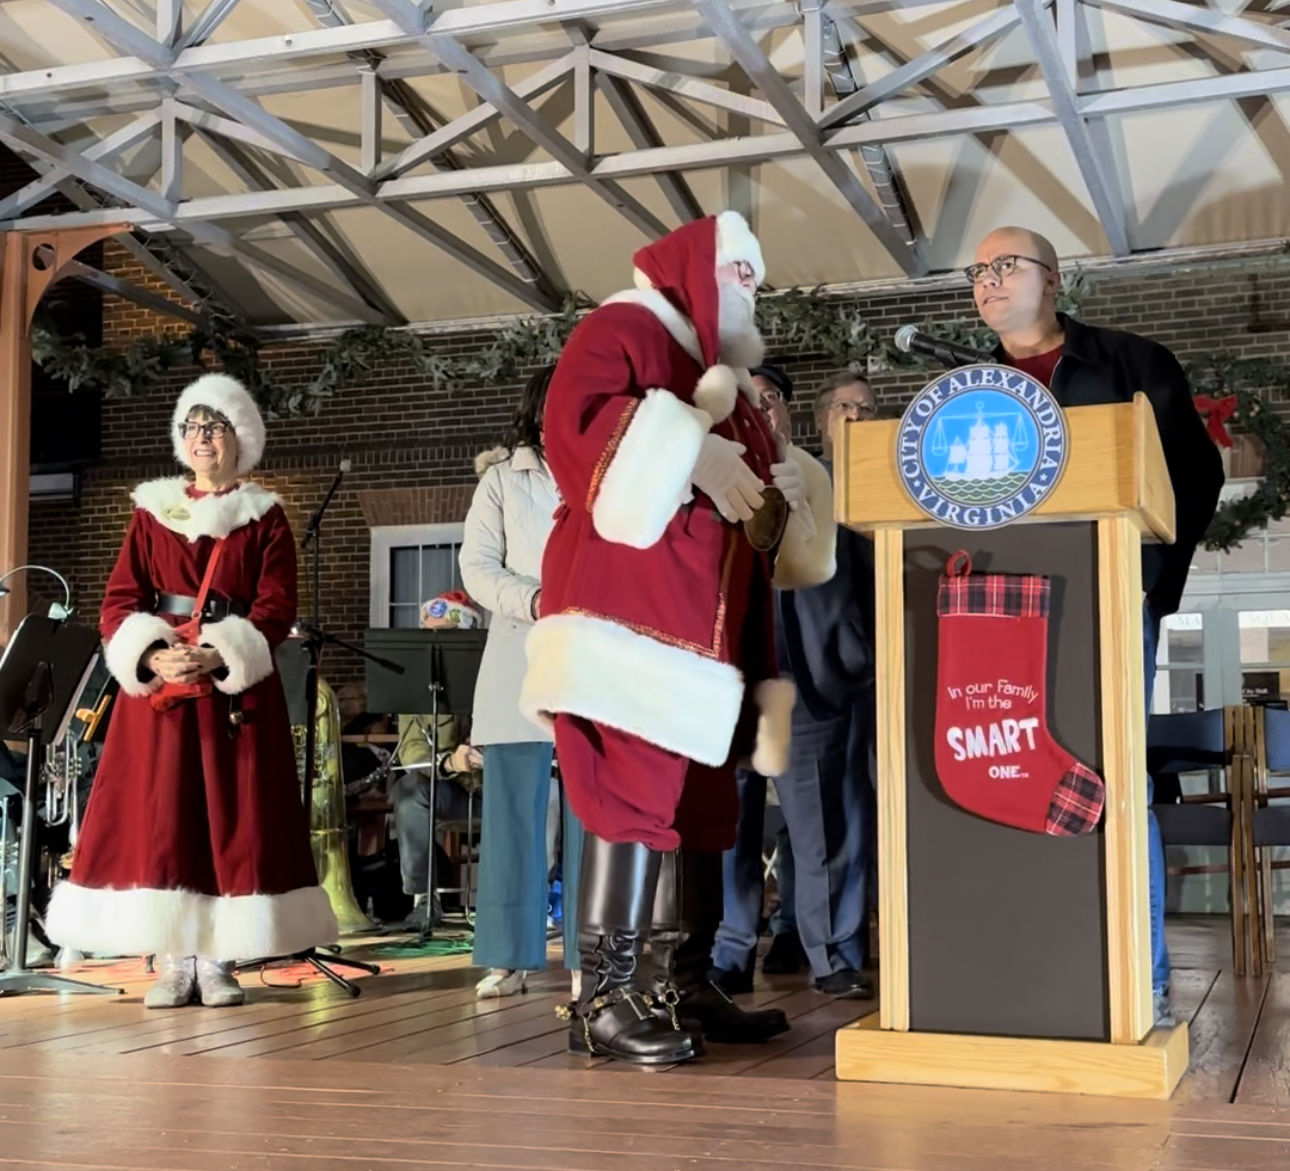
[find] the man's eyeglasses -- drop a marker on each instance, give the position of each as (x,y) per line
(853,412)
(771,397)
(206,430)
(1001,266)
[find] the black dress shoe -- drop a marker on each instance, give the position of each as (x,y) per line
(732,983)
(785,957)
(846,984)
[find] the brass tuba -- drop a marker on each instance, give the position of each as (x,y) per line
(327,816)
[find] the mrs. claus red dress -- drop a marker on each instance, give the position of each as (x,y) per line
(195,840)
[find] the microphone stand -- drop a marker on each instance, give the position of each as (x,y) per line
(315,639)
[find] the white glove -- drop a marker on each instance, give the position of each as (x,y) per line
(788,479)
(730,483)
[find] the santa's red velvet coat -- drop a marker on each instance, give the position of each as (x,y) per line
(654,656)
(195,841)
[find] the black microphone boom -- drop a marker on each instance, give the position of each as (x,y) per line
(315,521)
(949,354)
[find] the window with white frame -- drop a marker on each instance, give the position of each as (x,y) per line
(410,565)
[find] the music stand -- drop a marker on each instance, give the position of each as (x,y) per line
(44,670)
(438,666)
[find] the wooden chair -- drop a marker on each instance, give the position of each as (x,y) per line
(1194,742)
(1269,816)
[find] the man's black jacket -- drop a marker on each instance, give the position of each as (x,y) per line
(1108,366)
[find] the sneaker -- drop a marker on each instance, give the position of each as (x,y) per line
(785,957)
(1162,1013)
(846,984)
(502,982)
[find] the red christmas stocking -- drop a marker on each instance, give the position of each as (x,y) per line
(994,753)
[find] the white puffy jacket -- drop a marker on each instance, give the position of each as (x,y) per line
(510,518)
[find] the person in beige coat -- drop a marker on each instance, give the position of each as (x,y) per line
(510,517)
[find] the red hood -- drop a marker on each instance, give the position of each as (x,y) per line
(683,267)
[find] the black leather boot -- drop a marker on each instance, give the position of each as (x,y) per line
(664,938)
(702,1005)
(617,1014)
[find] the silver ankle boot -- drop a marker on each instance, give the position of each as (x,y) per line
(216,984)
(176,983)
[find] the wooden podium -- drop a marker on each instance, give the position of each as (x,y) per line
(1013,960)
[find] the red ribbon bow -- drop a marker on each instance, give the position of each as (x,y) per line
(1216,412)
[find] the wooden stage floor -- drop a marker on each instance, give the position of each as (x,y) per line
(417,1074)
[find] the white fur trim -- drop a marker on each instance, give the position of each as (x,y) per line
(490,458)
(808,552)
(735,241)
(602,671)
(140,921)
(126,647)
(743,379)
(717,391)
(648,478)
(775,699)
(231,399)
(210,516)
(671,318)
(245,652)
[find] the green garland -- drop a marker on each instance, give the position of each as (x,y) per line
(1255,383)
(801,322)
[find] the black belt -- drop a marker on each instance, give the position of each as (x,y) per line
(214,610)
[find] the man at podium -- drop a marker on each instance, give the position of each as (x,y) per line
(1015,281)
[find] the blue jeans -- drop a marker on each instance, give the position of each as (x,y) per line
(510,923)
(1155,845)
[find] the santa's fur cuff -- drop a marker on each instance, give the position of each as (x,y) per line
(808,552)
(141,921)
(775,699)
(126,647)
(602,671)
(648,477)
(716,392)
(245,652)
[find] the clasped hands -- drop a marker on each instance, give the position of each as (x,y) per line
(184,664)
(721,474)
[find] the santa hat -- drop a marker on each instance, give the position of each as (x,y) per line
(224,396)
(683,267)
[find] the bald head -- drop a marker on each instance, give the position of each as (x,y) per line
(1017,282)
(1017,242)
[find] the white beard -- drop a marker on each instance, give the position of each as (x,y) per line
(741,344)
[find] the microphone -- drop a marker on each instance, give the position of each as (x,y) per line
(315,521)
(949,354)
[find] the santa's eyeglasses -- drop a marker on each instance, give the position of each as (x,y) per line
(206,430)
(1001,266)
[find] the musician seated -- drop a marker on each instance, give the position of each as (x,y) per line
(459,774)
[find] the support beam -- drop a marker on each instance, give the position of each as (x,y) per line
(307,232)
(686,87)
(170,17)
(130,292)
(631,114)
(773,87)
(211,18)
(813,47)
(1204,19)
(500,96)
(141,128)
(229,128)
(372,106)
(473,122)
(584,104)
(1106,197)
(172,154)
(995,25)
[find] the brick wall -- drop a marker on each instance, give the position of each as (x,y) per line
(412,447)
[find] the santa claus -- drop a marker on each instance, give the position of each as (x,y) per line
(195,846)
(654,656)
